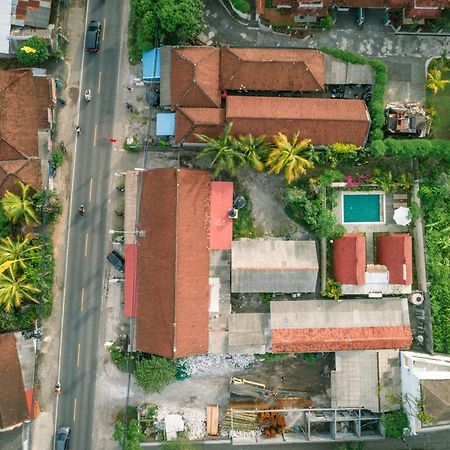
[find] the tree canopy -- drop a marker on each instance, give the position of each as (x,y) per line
(33,51)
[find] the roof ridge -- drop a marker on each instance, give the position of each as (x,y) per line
(15,79)
(2,138)
(190,120)
(175,272)
(306,63)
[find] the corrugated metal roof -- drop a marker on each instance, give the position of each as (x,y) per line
(5,25)
(273,265)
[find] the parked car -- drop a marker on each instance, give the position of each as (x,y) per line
(117,260)
(62,438)
(93,31)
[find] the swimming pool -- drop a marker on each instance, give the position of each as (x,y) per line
(363,207)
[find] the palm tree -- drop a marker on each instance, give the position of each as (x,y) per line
(224,151)
(19,207)
(292,157)
(14,290)
(14,253)
(435,83)
(255,150)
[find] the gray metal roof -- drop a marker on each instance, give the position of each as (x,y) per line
(273,265)
(368,378)
(345,314)
(340,72)
(164,85)
(248,332)
(37,17)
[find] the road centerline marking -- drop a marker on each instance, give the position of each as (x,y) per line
(104,29)
(78,355)
(82,299)
(95,135)
(75,409)
(90,189)
(86,244)
(99,82)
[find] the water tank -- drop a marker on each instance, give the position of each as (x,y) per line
(416,298)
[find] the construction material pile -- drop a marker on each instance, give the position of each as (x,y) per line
(241,421)
(272,423)
(194,419)
(196,366)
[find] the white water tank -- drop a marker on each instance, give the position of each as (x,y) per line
(416,298)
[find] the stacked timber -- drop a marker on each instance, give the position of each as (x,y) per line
(240,420)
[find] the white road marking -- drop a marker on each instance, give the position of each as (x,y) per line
(104,30)
(99,82)
(78,355)
(95,135)
(82,299)
(86,244)
(90,189)
(75,409)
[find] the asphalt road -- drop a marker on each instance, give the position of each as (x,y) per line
(87,235)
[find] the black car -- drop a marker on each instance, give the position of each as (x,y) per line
(93,31)
(117,260)
(62,438)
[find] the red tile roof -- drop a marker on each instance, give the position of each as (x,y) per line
(324,121)
(349,259)
(13,403)
(221,226)
(195,77)
(173,263)
(192,121)
(26,170)
(395,252)
(336,339)
(272,69)
(130,280)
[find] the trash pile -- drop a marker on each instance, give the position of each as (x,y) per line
(214,364)
(194,419)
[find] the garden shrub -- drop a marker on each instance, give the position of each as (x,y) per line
(131,434)
(33,51)
(48,206)
(120,359)
(154,373)
(326,23)
(57,158)
(394,423)
(241,5)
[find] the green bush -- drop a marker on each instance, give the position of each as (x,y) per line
(326,23)
(122,359)
(155,373)
(394,423)
(47,205)
(131,434)
(57,158)
(419,148)
(241,5)
(33,51)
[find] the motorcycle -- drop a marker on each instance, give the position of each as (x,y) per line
(81,210)
(87,95)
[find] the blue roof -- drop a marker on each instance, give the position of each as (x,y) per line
(151,65)
(165,124)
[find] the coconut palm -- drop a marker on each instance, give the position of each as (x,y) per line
(14,290)
(20,207)
(255,150)
(224,152)
(291,157)
(435,83)
(14,253)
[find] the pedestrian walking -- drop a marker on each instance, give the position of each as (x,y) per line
(130,88)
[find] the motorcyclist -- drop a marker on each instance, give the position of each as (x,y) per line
(87,95)
(57,388)
(81,210)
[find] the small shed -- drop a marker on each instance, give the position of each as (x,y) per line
(165,124)
(151,66)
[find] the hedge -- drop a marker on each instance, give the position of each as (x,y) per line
(410,148)
(376,103)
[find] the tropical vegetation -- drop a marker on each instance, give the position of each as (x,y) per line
(395,423)
(154,373)
(33,51)
(129,435)
(26,261)
(171,22)
(435,82)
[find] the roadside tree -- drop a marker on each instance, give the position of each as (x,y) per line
(293,157)
(154,373)
(20,207)
(14,290)
(33,51)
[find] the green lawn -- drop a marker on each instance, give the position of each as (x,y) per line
(440,127)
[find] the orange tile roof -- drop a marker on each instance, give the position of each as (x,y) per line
(272,69)
(395,252)
(324,121)
(172,288)
(195,77)
(192,121)
(349,259)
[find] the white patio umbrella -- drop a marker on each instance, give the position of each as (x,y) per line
(401,216)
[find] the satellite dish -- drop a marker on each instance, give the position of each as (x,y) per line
(239,202)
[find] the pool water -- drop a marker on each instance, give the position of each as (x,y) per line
(362,208)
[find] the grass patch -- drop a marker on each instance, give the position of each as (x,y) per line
(440,126)
(241,5)
(272,356)
(244,225)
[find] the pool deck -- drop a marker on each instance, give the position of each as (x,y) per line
(370,228)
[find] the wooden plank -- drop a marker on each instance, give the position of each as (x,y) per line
(212,420)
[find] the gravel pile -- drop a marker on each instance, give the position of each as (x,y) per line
(214,364)
(194,419)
